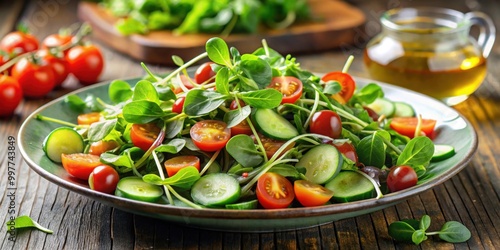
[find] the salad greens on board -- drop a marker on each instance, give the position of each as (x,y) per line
(247,131)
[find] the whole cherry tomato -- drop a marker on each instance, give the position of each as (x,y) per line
(86,63)
(178,105)
(56,40)
(58,64)
(104,179)
(348,150)
(326,122)
(204,73)
(401,177)
(36,80)
(19,42)
(11,95)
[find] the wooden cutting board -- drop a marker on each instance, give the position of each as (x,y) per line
(336,26)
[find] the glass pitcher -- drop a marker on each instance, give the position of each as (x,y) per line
(430,50)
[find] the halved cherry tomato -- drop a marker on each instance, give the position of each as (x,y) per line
(210,135)
(11,95)
(35,80)
(80,165)
(178,105)
(348,150)
(271,145)
(347,83)
(99,147)
(144,135)
(204,73)
(274,191)
(59,66)
(401,177)
(184,80)
(173,165)
(19,42)
(326,122)
(289,86)
(311,194)
(88,118)
(407,126)
(85,63)
(104,179)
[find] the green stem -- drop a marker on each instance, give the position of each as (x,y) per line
(49,119)
(160,171)
(185,66)
(181,198)
(374,183)
(347,64)
(313,109)
(209,163)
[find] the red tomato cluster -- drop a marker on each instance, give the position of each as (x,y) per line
(39,67)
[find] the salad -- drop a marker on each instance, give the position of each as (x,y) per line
(246,131)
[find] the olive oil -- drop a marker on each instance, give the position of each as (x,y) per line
(441,75)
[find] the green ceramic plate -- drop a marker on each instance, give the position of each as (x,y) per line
(452,129)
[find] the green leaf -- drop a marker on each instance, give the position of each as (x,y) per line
(332,87)
(222,81)
(243,150)
(425,222)
(368,93)
(418,151)
(75,103)
(99,130)
(371,151)
(25,221)
(401,231)
(418,236)
(142,112)
(185,178)
(174,128)
(172,147)
(256,69)
(454,232)
(144,90)
(200,102)
(218,51)
(235,117)
(119,91)
(286,170)
(264,98)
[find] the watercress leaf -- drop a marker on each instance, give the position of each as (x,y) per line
(222,81)
(264,98)
(243,150)
(174,128)
(256,69)
(92,103)
(75,103)
(173,147)
(401,231)
(177,60)
(200,102)
(425,222)
(25,221)
(218,51)
(165,93)
(247,84)
(142,112)
(235,117)
(413,223)
(153,179)
(418,236)
(185,178)
(369,93)
(371,151)
(454,232)
(418,151)
(119,91)
(99,130)
(286,170)
(144,90)
(235,54)
(121,160)
(332,87)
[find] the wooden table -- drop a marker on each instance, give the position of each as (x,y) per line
(471,197)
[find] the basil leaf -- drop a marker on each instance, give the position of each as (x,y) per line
(371,151)
(243,150)
(264,98)
(454,232)
(142,112)
(25,221)
(235,117)
(218,51)
(99,130)
(418,151)
(119,91)
(200,102)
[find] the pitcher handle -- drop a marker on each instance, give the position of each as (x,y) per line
(487,31)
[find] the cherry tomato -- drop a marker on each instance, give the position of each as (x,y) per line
(204,73)
(178,105)
(5,57)
(144,135)
(173,165)
(88,118)
(56,40)
(184,80)
(289,86)
(271,145)
(85,63)
(104,179)
(80,165)
(210,135)
(59,66)
(407,126)
(274,191)
(99,147)
(346,82)
(348,150)
(372,113)
(401,177)
(234,105)
(19,42)
(326,122)
(311,194)
(35,80)
(241,129)
(11,95)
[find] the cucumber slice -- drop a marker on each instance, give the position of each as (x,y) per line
(63,140)
(252,204)
(322,163)
(442,152)
(403,109)
(350,186)
(135,188)
(273,125)
(383,106)
(216,190)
